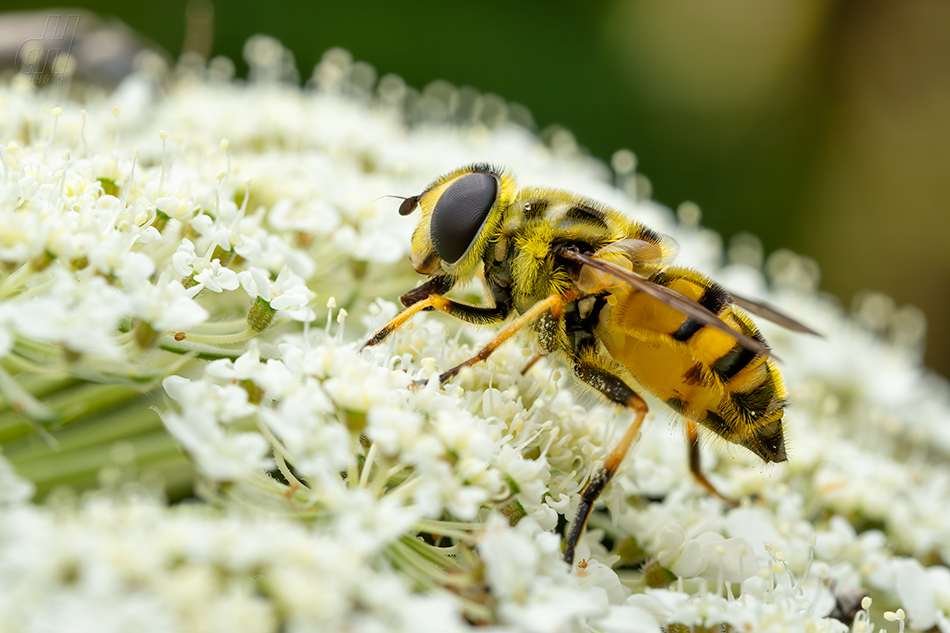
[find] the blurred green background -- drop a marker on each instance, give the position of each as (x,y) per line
(820,126)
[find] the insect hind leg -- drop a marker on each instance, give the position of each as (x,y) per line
(695,465)
(619,392)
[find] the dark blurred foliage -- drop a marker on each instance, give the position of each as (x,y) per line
(819,126)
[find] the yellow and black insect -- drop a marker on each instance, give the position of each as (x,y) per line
(595,288)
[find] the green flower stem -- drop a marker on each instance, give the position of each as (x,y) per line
(13,284)
(290,477)
(435,555)
(229,495)
(210,327)
(17,364)
(405,489)
(223,339)
(427,568)
(405,560)
(383,477)
(281,454)
(161,219)
(145,336)
(84,448)
(224,495)
(81,469)
(353,468)
(39,385)
(98,429)
(396,554)
(201,351)
(451,529)
(67,406)
(84,400)
(23,404)
(368,465)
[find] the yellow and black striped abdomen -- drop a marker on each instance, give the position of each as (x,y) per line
(698,371)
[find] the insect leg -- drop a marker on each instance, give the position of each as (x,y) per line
(695,467)
(534,359)
(553,304)
(619,392)
(461,311)
(435,286)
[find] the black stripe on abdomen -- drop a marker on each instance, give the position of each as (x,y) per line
(760,399)
(717,424)
(686,330)
(734,361)
(714,299)
(677,404)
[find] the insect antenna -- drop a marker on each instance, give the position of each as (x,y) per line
(408,204)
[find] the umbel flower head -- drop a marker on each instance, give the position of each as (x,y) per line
(187,265)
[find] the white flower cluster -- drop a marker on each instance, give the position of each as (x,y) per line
(340,496)
(137,565)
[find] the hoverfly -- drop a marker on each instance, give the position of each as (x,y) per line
(594,288)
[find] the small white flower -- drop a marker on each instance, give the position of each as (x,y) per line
(226,403)
(729,560)
(319,444)
(222,455)
(287,294)
(680,555)
(207,273)
(82,315)
(184,257)
(169,306)
(212,232)
(596,574)
(918,589)
(393,428)
(523,570)
(217,278)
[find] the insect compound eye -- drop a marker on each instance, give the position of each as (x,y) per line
(460,212)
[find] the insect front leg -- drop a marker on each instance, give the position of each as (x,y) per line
(436,286)
(695,466)
(619,392)
(553,304)
(462,311)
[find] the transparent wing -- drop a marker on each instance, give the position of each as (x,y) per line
(667,296)
(766,311)
(639,257)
